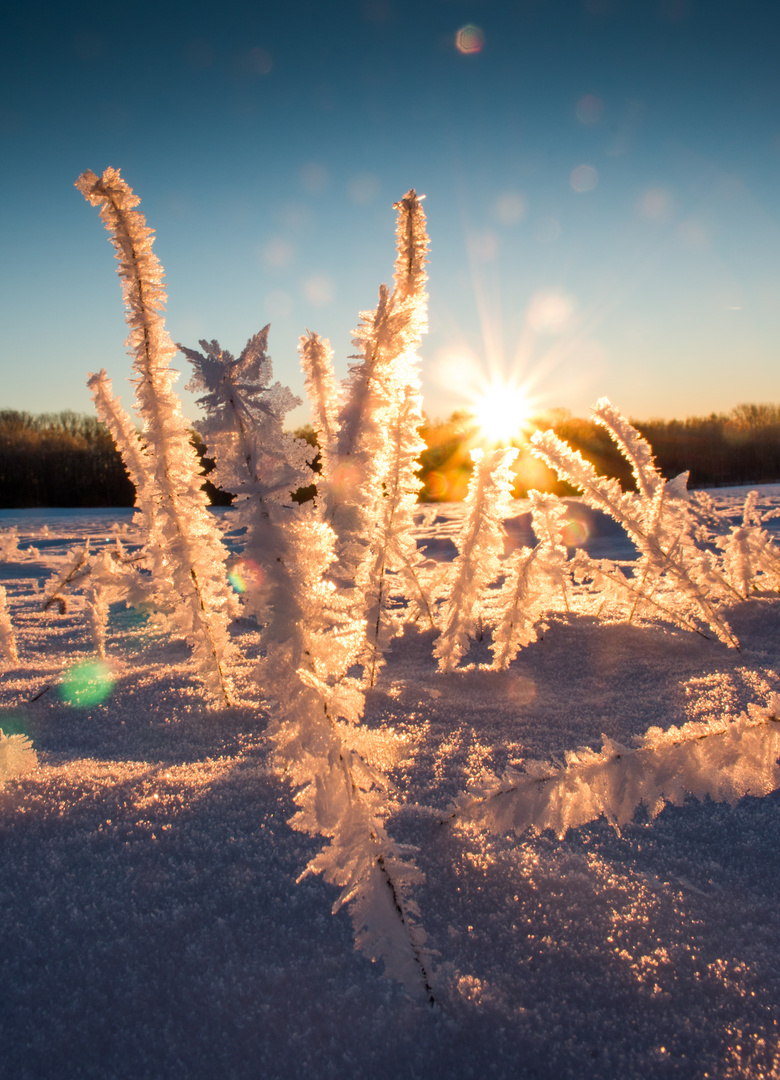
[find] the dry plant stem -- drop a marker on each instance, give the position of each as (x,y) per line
(397,900)
(698,759)
(78,570)
(186,535)
(7,635)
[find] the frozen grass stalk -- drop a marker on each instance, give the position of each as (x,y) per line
(187,552)
(314,628)
(17,757)
(720,759)
(479,544)
(7,635)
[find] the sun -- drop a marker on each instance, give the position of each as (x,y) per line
(502,411)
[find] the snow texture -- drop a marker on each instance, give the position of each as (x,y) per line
(152,924)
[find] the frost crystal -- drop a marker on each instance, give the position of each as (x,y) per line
(17,757)
(720,759)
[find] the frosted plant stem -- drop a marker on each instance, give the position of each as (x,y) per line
(720,759)
(648,598)
(187,552)
(481,539)
(317,362)
(97,606)
(17,757)
(7,635)
(134,456)
(78,569)
(340,797)
(660,526)
(387,877)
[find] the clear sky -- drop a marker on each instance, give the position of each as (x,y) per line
(602,182)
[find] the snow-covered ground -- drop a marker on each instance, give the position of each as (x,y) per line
(151,924)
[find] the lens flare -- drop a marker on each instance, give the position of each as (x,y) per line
(319,290)
(575,532)
(584,178)
(344,477)
(656,203)
(12,724)
(245,574)
(87,683)
(469,39)
(549,312)
(511,207)
(436,484)
(589,109)
(521,690)
(260,62)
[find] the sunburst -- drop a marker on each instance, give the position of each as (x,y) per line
(502,410)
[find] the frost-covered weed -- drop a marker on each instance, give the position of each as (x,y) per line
(327,574)
(187,554)
(17,757)
(477,562)
(8,651)
(724,760)
(674,575)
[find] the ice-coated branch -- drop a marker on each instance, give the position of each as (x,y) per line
(521,608)
(7,634)
(322,392)
(186,548)
(633,447)
(17,757)
(74,572)
(722,759)
(656,519)
(750,557)
(601,492)
(412,246)
(534,577)
(344,799)
(386,341)
(134,455)
(261,464)
(476,564)
(255,458)
(9,544)
(393,559)
(340,795)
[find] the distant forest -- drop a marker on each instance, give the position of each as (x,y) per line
(67,459)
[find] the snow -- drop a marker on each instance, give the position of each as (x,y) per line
(152,924)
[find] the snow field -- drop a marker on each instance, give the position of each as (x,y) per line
(152,924)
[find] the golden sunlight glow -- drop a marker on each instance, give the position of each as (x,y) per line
(502,411)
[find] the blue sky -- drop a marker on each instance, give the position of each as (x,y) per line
(602,184)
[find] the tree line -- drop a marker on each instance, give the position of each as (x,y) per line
(66,459)
(69,459)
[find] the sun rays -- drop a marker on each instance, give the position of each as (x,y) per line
(502,411)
